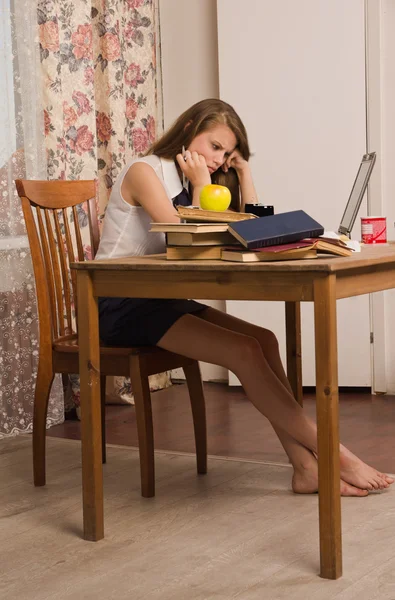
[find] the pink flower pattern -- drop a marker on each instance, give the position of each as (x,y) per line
(151,128)
(111,48)
(140,140)
(89,76)
(47,122)
(82,41)
(134,4)
(83,140)
(49,36)
(131,108)
(133,75)
(69,115)
(103,127)
(82,102)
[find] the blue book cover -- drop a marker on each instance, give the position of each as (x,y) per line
(282,228)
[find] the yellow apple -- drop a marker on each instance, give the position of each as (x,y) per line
(215,197)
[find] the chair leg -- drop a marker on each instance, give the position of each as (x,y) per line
(65,384)
(142,403)
(103,417)
(196,394)
(41,396)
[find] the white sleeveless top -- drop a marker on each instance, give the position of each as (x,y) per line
(126,227)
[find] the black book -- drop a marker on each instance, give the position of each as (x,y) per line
(281,228)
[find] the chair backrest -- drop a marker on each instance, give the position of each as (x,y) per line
(52,212)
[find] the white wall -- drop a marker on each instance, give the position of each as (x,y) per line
(302,99)
(189,54)
(388,129)
(189,74)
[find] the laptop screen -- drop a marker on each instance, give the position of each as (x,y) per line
(357,193)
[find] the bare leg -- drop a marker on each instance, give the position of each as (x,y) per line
(299,455)
(243,355)
(304,462)
(305,477)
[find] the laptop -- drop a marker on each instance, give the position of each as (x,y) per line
(357,194)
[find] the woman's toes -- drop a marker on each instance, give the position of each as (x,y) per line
(346,489)
(381,483)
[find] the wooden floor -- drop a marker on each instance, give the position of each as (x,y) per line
(237,533)
(236,429)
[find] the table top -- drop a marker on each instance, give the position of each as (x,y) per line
(370,256)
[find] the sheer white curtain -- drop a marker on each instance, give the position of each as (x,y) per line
(22,155)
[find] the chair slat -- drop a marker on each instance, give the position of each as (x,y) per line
(64,270)
(71,257)
(48,271)
(77,230)
(56,272)
(94,226)
(69,243)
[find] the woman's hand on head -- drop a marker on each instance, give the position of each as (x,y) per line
(235,161)
(194,167)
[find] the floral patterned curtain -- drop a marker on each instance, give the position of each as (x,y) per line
(84,97)
(101,95)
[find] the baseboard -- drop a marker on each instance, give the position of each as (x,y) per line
(343,389)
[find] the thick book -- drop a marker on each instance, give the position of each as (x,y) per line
(198,228)
(262,255)
(194,214)
(200,238)
(193,252)
(276,229)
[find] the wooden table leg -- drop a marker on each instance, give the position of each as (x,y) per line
(328,426)
(294,349)
(92,472)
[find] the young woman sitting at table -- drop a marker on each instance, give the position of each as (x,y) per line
(146,191)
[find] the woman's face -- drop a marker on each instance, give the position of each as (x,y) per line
(215,145)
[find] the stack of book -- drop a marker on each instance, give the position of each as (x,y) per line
(285,236)
(308,248)
(243,237)
(198,241)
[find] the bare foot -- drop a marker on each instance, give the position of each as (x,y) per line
(306,482)
(359,474)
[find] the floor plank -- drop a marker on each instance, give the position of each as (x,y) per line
(236,429)
(237,533)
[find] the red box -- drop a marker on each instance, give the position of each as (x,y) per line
(373,230)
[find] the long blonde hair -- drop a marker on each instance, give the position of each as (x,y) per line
(198,118)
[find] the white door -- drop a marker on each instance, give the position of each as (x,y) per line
(295,72)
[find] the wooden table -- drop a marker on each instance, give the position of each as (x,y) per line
(321,281)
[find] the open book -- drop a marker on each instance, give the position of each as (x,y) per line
(189,213)
(307,248)
(340,240)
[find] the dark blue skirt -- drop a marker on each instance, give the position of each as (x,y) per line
(125,322)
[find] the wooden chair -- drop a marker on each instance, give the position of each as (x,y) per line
(55,241)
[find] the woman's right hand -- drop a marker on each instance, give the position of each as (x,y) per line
(194,167)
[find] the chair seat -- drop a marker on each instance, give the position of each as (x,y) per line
(70,344)
(116,361)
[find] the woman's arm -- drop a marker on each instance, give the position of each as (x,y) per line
(242,168)
(194,167)
(142,187)
(247,188)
